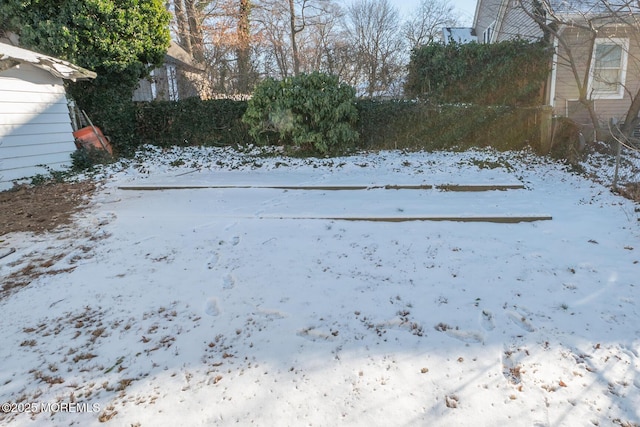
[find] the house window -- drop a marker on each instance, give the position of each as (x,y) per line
(487,34)
(609,68)
(172,82)
(154,88)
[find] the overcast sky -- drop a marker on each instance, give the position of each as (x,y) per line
(466,8)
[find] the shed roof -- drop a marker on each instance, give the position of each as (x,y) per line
(176,53)
(10,56)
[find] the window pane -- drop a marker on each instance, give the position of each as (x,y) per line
(606,81)
(608,56)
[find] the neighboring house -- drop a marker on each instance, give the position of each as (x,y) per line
(608,68)
(179,77)
(35,126)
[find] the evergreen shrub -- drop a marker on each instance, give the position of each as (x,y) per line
(313,112)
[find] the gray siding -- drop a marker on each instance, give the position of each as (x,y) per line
(35,128)
(183,84)
(517,23)
(486,16)
(567,93)
(513,21)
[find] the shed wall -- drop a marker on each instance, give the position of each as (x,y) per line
(35,128)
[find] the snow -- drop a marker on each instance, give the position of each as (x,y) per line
(228,301)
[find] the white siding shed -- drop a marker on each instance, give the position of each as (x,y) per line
(35,126)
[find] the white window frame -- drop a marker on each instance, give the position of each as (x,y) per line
(172,82)
(154,87)
(619,94)
(487,34)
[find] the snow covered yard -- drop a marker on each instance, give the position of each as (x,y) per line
(228,302)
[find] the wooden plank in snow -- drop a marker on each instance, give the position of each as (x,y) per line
(479,187)
(494,219)
(151,187)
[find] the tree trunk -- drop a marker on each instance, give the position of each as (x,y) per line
(243,52)
(294,45)
(195,30)
(631,119)
(184,38)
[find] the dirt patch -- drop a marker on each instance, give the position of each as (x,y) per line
(43,207)
(630,191)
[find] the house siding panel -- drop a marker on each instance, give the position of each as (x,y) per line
(512,22)
(487,15)
(567,93)
(517,23)
(35,128)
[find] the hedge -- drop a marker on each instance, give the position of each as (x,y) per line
(506,73)
(401,124)
(191,122)
(388,124)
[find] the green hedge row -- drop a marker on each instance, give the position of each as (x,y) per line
(394,124)
(506,73)
(415,125)
(191,122)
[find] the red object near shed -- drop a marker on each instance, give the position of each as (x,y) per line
(92,137)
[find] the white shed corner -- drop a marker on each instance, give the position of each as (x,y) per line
(35,126)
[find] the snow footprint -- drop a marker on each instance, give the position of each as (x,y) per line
(213,261)
(314,334)
(511,359)
(271,314)
(471,337)
(228,282)
(211,307)
(521,321)
(486,320)
(510,370)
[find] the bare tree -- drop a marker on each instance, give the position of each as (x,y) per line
(290,30)
(184,37)
(218,34)
(362,44)
(243,50)
(425,25)
(195,18)
(372,27)
(271,19)
(328,48)
(189,17)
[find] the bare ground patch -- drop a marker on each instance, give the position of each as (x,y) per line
(44,207)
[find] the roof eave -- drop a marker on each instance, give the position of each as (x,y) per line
(11,56)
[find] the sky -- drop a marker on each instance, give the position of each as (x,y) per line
(466,8)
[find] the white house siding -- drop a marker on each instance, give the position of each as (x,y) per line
(35,128)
